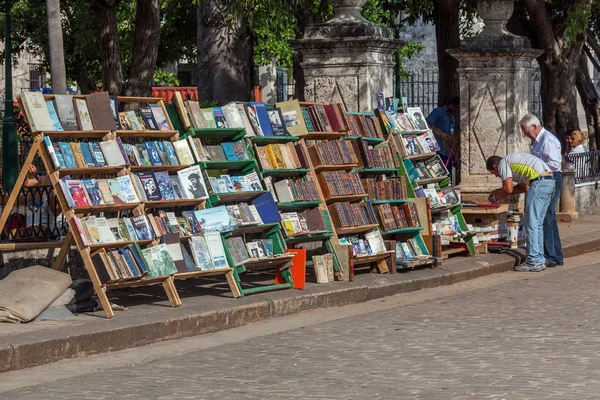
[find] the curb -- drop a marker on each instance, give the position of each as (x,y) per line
(36,351)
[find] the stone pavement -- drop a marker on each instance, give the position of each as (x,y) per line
(208,307)
(518,336)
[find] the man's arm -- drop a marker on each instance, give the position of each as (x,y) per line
(507,189)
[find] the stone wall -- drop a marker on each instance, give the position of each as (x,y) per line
(14,260)
(587,198)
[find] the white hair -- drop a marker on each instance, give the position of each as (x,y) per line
(529,120)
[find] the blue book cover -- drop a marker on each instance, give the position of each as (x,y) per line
(263,117)
(267,209)
(87,154)
(171,155)
(220,117)
(229,150)
(214,219)
(380,102)
(129,262)
(153,153)
(137,253)
(97,153)
(54,116)
(59,156)
(93,191)
(68,155)
(164,185)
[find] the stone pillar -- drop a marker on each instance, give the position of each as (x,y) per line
(347,59)
(567,209)
(495,75)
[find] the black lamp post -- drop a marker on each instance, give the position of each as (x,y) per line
(10,164)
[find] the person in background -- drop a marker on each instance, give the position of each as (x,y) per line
(575,141)
(442,121)
(547,147)
(532,176)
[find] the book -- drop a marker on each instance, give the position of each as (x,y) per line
(237,249)
(100,111)
(216,249)
(254,121)
(77,154)
(219,116)
(242,110)
(375,242)
(54,116)
(173,245)
(292,117)
(162,262)
(181,111)
(214,219)
(67,154)
(149,185)
(153,155)
(86,152)
(36,111)
(177,189)
(276,121)
(77,193)
(112,153)
(105,233)
(66,112)
(97,153)
(165,186)
(192,183)
(92,189)
(171,155)
(84,120)
(253,181)
(255,250)
(142,227)
(260,111)
(200,253)
(196,115)
(233,116)
(184,154)
(124,122)
(148,118)
(134,121)
(159,116)
(52,152)
(417,118)
(266,208)
(209,117)
(126,191)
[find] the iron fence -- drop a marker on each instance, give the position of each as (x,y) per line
(421,89)
(587,166)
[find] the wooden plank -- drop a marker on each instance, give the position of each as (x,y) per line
(64,251)
(350,198)
(334,167)
(371,258)
(356,229)
(30,246)
(147,133)
(235,290)
(485,210)
(89,171)
(201,274)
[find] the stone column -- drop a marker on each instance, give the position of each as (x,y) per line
(495,75)
(347,59)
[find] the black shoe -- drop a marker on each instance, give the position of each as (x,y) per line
(560,264)
(550,264)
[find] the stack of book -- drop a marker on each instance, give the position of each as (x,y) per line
(439,198)
(309,221)
(345,214)
(231,151)
(96,192)
(431,168)
(409,249)
(332,152)
(324,118)
(398,216)
(389,189)
(378,156)
(97,111)
(100,230)
(242,253)
(371,244)
(289,190)
(159,186)
(412,120)
(323,266)
(340,183)
(361,125)
(281,156)
(408,145)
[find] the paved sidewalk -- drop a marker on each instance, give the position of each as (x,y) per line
(209,307)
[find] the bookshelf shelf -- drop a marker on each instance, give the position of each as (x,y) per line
(350,198)
(264,140)
(391,201)
(76,134)
(371,258)
(136,282)
(173,203)
(367,171)
(201,273)
(430,180)
(147,133)
(116,245)
(263,263)
(158,168)
(446,208)
(308,237)
(413,132)
(217,133)
(228,164)
(298,205)
(323,135)
(284,173)
(423,156)
(231,197)
(89,171)
(105,208)
(356,229)
(403,230)
(368,139)
(243,230)
(334,167)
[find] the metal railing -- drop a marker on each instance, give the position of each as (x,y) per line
(587,166)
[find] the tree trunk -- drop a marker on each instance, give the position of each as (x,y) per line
(83,78)
(110,49)
(591,103)
(303,19)
(225,59)
(146,37)
(58,71)
(446,18)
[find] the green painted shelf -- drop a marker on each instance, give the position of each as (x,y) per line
(285,172)
(403,230)
(220,198)
(367,139)
(228,164)
(298,204)
(377,171)
(394,201)
(262,140)
(215,133)
(310,237)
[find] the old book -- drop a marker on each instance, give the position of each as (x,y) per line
(181,111)
(84,120)
(165,185)
(37,112)
(66,112)
(292,117)
(54,116)
(209,117)
(237,250)
(192,183)
(320,267)
(173,244)
(160,117)
(100,111)
(276,121)
(112,153)
(219,116)
(200,253)
(148,118)
(149,185)
(162,262)
(196,116)
(216,249)
(103,269)
(78,154)
(242,110)
(184,154)
(134,121)
(232,115)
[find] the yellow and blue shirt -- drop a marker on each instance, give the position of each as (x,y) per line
(521,167)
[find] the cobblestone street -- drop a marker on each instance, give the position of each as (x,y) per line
(506,336)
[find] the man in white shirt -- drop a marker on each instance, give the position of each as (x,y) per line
(547,147)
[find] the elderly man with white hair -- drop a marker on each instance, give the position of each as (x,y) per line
(546,146)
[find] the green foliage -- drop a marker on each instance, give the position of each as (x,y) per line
(407,52)
(209,103)
(163,78)
(578,20)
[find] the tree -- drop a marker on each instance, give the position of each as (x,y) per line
(55,40)
(446,18)
(110,48)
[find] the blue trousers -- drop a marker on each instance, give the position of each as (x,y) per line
(552,245)
(536,205)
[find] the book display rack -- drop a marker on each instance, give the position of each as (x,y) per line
(137,249)
(427,178)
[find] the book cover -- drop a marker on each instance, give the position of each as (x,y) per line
(99,259)
(101,113)
(292,117)
(52,152)
(67,153)
(192,183)
(237,250)
(77,155)
(126,190)
(254,121)
(114,109)
(192,222)
(162,152)
(57,151)
(267,209)
(143,230)
(216,153)
(150,185)
(165,186)
(132,154)
(104,187)
(255,250)
(134,122)
(417,118)
(229,152)
(148,118)
(260,109)
(105,233)
(97,153)
(54,116)
(436,167)
(86,152)
(276,121)
(182,111)
(220,119)
(428,140)
(242,110)
(153,155)
(124,122)
(253,181)
(200,253)
(112,153)
(209,118)
(93,191)
(84,120)
(214,219)
(237,184)
(36,111)
(171,155)
(228,183)
(143,155)
(232,115)
(66,112)
(216,249)
(77,192)
(176,184)
(160,117)
(182,149)
(380,102)
(162,262)
(173,244)
(196,116)
(92,229)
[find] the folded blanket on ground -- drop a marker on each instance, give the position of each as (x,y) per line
(25,293)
